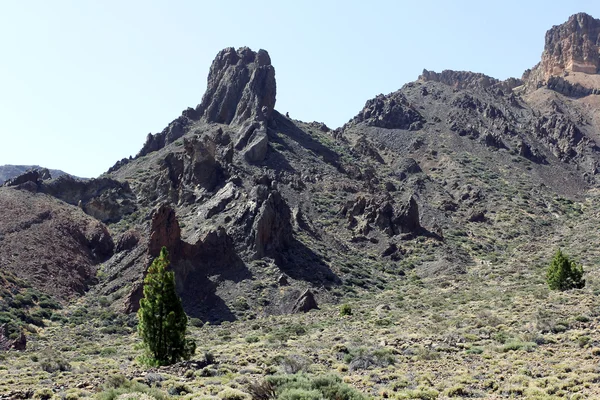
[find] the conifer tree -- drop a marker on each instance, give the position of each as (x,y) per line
(162,321)
(564,274)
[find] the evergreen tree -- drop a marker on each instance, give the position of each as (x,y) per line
(162,321)
(564,274)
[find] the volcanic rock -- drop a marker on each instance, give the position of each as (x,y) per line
(241,86)
(272,228)
(165,231)
(572,46)
(127,241)
(305,302)
(105,199)
(392,112)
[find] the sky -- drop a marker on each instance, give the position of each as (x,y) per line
(83,82)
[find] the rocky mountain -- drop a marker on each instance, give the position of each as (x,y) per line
(11,171)
(451,171)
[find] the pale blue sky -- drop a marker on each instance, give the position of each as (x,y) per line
(83,82)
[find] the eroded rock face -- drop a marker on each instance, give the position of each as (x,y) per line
(384,214)
(562,136)
(272,229)
(467,79)
(165,231)
(241,86)
(305,302)
(105,199)
(573,46)
(392,112)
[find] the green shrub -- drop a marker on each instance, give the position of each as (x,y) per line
(43,394)
(345,309)
(53,362)
(304,387)
(564,274)
(517,345)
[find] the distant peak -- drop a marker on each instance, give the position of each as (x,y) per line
(241,86)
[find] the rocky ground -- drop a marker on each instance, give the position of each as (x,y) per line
(422,229)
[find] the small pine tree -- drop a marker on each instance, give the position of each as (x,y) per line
(564,274)
(162,321)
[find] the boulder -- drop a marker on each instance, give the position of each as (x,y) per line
(256,149)
(127,241)
(29,176)
(305,302)
(408,217)
(20,343)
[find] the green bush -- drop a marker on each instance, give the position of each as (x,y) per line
(345,309)
(564,274)
(304,387)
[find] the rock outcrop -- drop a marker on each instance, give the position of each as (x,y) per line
(468,80)
(305,302)
(382,213)
(165,231)
(272,229)
(392,112)
(20,343)
(573,46)
(241,86)
(105,199)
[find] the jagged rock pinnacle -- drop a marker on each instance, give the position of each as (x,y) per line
(241,86)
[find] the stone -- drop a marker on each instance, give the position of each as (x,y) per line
(283,280)
(366,148)
(105,199)
(305,302)
(408,217)
(476,216)
(29,176)
(572,46)
(164,231)
(241,86)
(20,343)
(201,166)
(256,149)
(127,241)
(392,112)
(272,228)
(219,201)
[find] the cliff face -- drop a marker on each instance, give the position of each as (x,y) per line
(570,48)
(241,86)
(573,46)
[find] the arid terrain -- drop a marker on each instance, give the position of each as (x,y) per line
(422,229)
